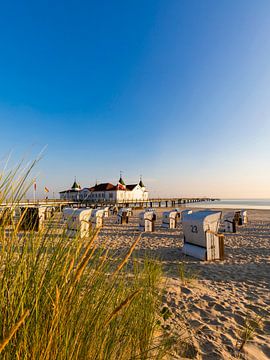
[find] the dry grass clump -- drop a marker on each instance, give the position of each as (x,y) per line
(63,298)
(252,324)
(187,276)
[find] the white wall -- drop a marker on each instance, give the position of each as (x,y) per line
(137,193)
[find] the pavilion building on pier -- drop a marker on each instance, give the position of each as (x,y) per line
(106,192)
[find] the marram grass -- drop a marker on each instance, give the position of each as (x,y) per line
(65,298)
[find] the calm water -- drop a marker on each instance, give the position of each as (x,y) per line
(263,204)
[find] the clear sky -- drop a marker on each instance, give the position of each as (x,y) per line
(175,90)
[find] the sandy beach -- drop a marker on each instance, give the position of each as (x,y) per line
(215,301)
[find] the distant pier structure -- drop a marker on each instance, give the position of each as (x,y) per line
(107,192)
(149,203)
(133,195)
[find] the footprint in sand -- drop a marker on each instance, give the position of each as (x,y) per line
(195,324)
(208,298)
(222,318)
(266,326)
(219,307)
(239,319)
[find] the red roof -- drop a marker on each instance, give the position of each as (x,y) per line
(110,187)
(103,187)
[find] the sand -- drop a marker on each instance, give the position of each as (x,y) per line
(213,303)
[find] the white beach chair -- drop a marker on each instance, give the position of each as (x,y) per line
(97,216)
(78,222)
(201,238)
(147,221)
(169,219)
(244,216)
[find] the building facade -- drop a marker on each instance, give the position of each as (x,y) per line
(106,192)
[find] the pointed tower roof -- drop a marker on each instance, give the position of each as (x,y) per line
(121,181)
(141,183)
(75,185)
(121,184)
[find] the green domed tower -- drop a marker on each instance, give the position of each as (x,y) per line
(75,185)
(121,181)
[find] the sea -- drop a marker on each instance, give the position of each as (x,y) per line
(256,204)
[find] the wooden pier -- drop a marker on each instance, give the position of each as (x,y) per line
(150,203)
(154,202)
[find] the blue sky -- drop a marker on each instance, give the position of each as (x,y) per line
(177,91)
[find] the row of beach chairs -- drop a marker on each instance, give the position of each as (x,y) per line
(27,218)
(202,229)
(201,237)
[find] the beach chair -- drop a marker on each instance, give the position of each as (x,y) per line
(6,216)
(122,216)
(49,212)
(229,223)
(178,212)
(31,218)
(244,217)
(201,237)
(238,218)
(147,221)
(129,211)
(78,222)
(97,216)
(106,211)
(169,219)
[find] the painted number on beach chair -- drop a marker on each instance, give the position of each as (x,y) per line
(194,229)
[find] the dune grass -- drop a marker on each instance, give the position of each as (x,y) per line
(186,276)
(65,298)
(252,323)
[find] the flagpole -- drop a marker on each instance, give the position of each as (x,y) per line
(35,189)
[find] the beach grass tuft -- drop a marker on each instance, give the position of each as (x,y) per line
(186,275)
(64,298)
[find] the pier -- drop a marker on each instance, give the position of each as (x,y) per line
(154,202)
(150,203)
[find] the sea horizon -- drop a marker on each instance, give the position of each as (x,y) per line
(241,203)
